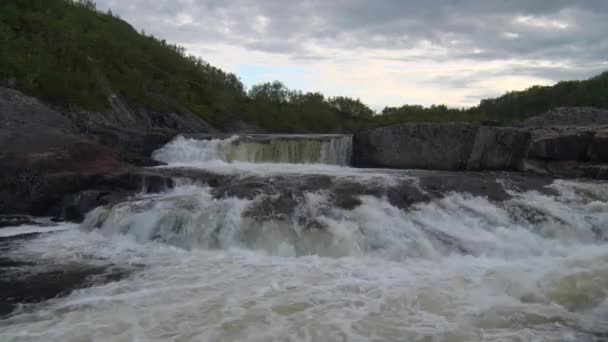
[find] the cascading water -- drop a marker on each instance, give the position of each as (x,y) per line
(299,149)
(307,252)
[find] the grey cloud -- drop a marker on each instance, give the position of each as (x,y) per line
(469,29)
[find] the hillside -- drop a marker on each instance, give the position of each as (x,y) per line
(70,55)
(75,57)
(512,107)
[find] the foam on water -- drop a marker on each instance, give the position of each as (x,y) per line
(303,149)
(458,268)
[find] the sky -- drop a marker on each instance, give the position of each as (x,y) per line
(387,52)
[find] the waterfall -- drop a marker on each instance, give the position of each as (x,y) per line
(274,238)
(299,149)
(190,217)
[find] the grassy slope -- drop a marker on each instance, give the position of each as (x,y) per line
(72,56)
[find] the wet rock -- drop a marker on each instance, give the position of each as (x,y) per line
(27,286)
(50,160)
(415,146)
(30,280)
(566,169)
(560,144)
(16,220)
(598,149)
(276,197)
(133,147)
(499,148)
(453,147)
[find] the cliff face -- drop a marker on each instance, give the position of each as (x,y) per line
(437,146)
(561,151)
(46,154)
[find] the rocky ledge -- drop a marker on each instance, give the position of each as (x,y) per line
(63,164)
(559,151)
(48,158)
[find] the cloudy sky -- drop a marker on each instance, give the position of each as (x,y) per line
(387,52)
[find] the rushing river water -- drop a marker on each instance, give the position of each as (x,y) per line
(461,267)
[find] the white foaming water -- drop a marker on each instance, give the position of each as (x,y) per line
(455,269)
(460,268)
(303,149)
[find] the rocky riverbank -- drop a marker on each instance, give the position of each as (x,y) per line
(64,164)
(50,157)
(556,150)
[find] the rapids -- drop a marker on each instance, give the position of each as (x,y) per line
(453,267)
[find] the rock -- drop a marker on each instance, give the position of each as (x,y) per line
(26,123)
(566,169)
(123,117)
(109,190)
(47,163)
(499,148)
(276,196)
(132,147)
(560,144)
(554,151)
(17,220)
(598,149)
(570,116)
(27,280)
(415,146)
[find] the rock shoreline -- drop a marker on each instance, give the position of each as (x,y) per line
(559,151)
(64,164)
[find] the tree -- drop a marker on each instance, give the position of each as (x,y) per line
(350,107)
(275,92)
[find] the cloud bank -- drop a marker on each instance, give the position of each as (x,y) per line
(387,52)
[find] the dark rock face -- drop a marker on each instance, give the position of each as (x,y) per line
(124,117)
(598,149)
(560,144)
(441,147)
(571,152)
(48,160)
(499,148)
(416,146)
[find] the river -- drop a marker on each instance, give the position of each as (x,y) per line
(206,263)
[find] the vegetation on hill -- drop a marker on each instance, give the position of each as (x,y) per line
(511,107)
(73,56)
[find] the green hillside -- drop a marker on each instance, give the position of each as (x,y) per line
(511,107)
(73,56)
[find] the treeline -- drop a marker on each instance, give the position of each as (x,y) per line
(274,105)
(510,108)
(73,56)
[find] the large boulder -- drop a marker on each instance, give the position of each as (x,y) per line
(44,159)
(26,123)
(598,149)
(499,148)
(415,146)
(560,144)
